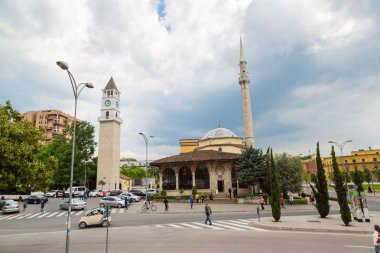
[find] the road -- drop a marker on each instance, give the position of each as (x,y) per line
(132,231)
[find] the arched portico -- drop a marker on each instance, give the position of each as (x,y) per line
(185,178)
(168,179)
(202,178)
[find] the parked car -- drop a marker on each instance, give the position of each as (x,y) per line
(139,193)
(77,191)
(131,197)
(95,217)
(9,206)
(152,191)
(76,204)
(95,193)
(36,199)
(112,201)
(115,192)
(54,194)
(37,193)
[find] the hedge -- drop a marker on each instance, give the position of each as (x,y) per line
(298,201)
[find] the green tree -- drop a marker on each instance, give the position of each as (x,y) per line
(358,179)
(367,175)
(290,173)
(101,183)
(377,175)
(133,172)
(321,193)
(251,168)
(194,190)
(341,191)
(275,189)
(22,167)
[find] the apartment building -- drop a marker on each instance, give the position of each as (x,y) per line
(52,121)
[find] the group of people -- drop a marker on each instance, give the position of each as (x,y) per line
(196,199)
(233,192)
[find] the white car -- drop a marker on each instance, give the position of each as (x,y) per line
(95,193)
(131,197)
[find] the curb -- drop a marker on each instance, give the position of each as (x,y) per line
(322,230)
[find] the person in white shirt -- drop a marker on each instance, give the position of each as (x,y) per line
(376,238)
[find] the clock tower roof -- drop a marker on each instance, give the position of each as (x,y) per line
(111,85)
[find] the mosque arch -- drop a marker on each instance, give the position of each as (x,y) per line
(202,178)
(168,179)
(185,178)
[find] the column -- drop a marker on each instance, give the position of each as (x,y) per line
(160,178)
(193,168)
(176,170)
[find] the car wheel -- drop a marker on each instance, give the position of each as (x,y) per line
(105,223)
(102,205)
(119,206)
(82,224)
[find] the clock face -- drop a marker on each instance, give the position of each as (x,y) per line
(107,102)
(117,104)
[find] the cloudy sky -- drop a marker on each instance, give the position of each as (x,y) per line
(314,67)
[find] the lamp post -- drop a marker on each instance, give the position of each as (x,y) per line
(146,139)
(77,89)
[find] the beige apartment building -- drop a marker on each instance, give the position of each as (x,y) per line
(52,121)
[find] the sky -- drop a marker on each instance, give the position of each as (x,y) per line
(314,68)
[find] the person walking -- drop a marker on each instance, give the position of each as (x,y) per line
(203,198)
(191,201)
(166,202)
(376,238)
(229,191)
(311,199)
(126,202)
(197,197)
(291,200)
(262,202)
(208,213)
(24,206)
(235,193)
(282,204)
(42,206)
(265,198)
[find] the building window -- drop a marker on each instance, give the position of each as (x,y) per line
(220,149)
(375,159)
(116,115)
(107,114)
(363,160)
(354,160)
(345,161)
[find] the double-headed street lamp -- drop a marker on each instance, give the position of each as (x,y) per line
(146,139)
(77,89)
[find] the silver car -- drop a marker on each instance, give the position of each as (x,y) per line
(76,204)
(112,201)
(131,197)
(9,206)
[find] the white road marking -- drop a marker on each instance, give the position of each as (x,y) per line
(4,217)
(159,226)
(354,246)
(122,210)
(59,215)
(51,215)
(206,225)
(239,225)
(113,211)
(24,216)
(34,215)
(43,215)
(189,225)
(15,216)
(226,226)
(78,213)
(174,226)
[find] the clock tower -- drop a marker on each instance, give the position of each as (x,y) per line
(108,169)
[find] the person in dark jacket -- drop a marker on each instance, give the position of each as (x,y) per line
(126,202)
(166,202)
(42,206)
(208,213)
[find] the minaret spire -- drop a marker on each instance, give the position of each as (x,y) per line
(246,99)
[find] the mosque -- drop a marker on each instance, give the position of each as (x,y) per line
(209,163)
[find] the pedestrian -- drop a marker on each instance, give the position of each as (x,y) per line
(376,238)
(191,200)
(291,200)
(369,189)
(266,198)
(42,206)
(262,202)
(2,197)
(208,213)
(103,194)
(282,204)
(20,199)
(166,202)
(235,193)
(311,199)
(303,194)
(229,191)
(63,193)
(203,198)
(24,206)
(197,197)
(126,202)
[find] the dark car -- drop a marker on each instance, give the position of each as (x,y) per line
(138,193)
(115,193)
(36,199)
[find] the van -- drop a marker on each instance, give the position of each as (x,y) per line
(77,191)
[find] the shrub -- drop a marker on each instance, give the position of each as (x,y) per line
(163,193)
(194,190)
(298,201)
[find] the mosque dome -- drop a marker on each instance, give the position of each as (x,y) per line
(219,133)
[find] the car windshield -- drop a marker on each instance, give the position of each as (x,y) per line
(117,199)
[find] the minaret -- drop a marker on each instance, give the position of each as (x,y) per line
(246,99)
(108,169)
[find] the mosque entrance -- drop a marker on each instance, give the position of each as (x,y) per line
(220,185)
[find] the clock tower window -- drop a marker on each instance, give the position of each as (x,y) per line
(107,114)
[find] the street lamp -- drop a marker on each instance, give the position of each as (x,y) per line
(146,139)
(63,65)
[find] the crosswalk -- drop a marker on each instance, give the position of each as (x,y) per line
(232,225)
(52,214)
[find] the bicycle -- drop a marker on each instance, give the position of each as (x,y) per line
(148,206)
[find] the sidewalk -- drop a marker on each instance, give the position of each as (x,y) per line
(313,223)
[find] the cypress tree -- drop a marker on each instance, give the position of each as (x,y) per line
(275,190)
(321,194)
(341,191)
